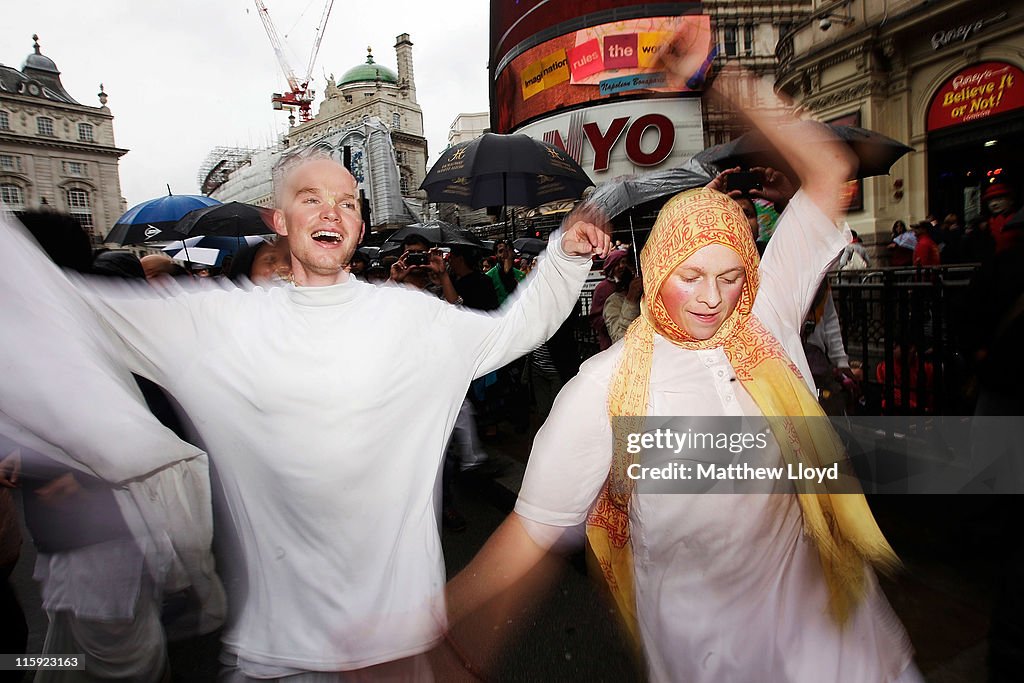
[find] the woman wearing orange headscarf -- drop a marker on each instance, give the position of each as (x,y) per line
(738,587)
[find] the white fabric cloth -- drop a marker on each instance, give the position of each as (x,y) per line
(327,411)
(66,395)
(907,240)
(727,586)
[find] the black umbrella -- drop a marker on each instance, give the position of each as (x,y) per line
(876,152)
(621,194)
(233,219)
(437,232)
(529,245)
(504,170)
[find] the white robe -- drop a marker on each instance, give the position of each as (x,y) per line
(727,586)
(326,411)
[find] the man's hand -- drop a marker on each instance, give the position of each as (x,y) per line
(10,469)
(718,183)
(586,232)
(437,266)
(58,489)
(399,270)
(776,187)
(684,57)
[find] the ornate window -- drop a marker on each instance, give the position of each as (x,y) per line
(80,207)
(44,126)
(404,184)
(396,121)
(85,132)
(13,196)
(5,121)
(730,41)
(9,162)
(76,168)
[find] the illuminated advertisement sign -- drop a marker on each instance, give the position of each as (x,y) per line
(592,64)
(975,93)
(513,22)
(624,138)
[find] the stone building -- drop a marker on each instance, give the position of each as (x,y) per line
(371,120)
(746,33)
(54,151)
(943,77)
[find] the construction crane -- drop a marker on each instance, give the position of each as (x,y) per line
(300,95)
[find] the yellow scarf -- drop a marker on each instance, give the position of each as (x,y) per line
(841,525)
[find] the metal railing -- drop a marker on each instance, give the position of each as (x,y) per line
(912,321)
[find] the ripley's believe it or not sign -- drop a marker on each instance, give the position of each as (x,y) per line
(976,93)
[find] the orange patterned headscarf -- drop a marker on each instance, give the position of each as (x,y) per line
(841,525)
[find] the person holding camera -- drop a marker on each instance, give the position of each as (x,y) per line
(758,183)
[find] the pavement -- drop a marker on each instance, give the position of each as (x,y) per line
(951,548)
(951,551)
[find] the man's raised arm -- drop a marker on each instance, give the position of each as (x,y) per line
(541,302)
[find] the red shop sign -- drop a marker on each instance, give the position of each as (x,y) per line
(976,93)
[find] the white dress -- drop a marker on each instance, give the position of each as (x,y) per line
(727,586)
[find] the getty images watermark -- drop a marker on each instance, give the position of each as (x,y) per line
(878,455)
(734,443)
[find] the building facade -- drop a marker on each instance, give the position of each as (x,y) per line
(370,120)
(747,33)
(54,151)
(943,77)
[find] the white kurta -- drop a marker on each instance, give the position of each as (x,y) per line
(326,411)
(727,586)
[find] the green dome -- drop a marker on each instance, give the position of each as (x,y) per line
(370,71)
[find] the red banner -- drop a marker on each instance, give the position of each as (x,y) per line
(975,93)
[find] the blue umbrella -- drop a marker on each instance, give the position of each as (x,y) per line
(155,219)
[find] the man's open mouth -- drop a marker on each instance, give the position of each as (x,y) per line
(327,236)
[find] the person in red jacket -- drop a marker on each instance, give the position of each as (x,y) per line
(926,253)
(1001,204)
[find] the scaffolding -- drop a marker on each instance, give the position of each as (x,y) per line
(219,164)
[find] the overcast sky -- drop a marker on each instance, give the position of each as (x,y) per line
(185,76)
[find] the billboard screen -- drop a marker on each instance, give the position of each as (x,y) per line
(590,65)
(515,21)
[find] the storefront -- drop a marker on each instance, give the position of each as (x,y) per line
(975,133)
(945,78)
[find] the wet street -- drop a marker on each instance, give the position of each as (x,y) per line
(951,548)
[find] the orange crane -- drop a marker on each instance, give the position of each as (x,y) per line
(300,95)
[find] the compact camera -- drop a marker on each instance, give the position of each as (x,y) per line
(417,258)
(744,181)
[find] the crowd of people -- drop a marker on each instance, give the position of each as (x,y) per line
(336,398)
(930,242)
